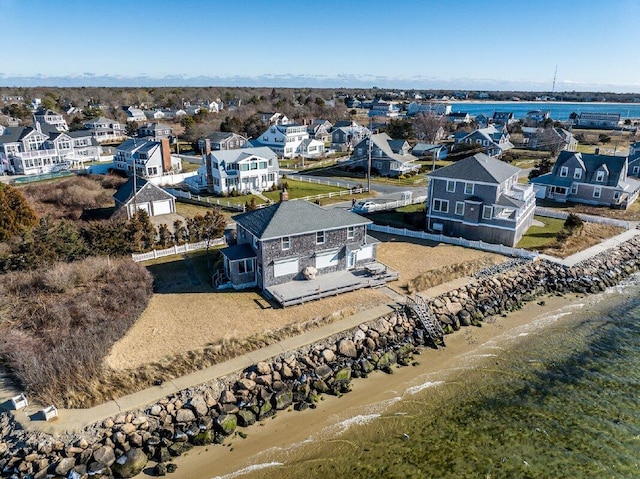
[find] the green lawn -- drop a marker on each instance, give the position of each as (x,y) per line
(540,237)
(189,167)
(300,189)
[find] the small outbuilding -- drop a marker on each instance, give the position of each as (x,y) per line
(148,197)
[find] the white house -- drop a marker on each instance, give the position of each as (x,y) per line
(135,114)
(243,170)
(50,117)
(44,149)
(288,141)
(151,158)
(437,109)
(105,129)
(148,197)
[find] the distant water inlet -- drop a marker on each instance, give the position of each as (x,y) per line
(558,110)
(562,403)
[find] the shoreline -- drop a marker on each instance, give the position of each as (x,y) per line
(268,442)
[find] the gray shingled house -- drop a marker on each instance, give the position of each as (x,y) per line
(388,156)
(279,245)
(479,198)
(589,178)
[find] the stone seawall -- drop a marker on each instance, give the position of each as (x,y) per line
(121,446)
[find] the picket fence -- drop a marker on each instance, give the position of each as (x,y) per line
(177,249)
(562,215)
(481,245)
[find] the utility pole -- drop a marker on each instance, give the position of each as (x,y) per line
(135,178)
(555,74)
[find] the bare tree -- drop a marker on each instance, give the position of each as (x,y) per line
(427,127)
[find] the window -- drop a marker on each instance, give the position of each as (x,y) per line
(564,171)
(351,232)
(441,205)
(459,208)
(245,266)
(616,195)
(286,243)
(577,173)
(320,237)
(600,176)
(574,189)
(487,212)
(451,186)
(597,191)
(468,188)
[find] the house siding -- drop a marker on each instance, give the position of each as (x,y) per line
(304,248)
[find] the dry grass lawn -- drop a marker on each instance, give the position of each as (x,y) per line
(423,264)
(590,235)
(178,322)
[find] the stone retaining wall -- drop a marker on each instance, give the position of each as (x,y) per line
(121,446)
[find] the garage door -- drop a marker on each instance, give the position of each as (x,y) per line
(327,259)
(285,267)
(161,207)
(141,206)
(366,252)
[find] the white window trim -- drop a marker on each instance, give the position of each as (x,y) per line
(459,205)
(577,174)
(443,203)
(574,189)
(324,237)
(351,232)
(636,170)
(285,243)
(564,171)
(597,192)
(486,208)
(451,186)
(600,176)
(466,186)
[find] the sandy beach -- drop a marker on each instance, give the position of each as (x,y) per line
(269,441)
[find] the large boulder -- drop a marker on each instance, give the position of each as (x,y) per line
(185,415)
(65,465)
(198,405)
(347,348)
(282,399)
(104,455)
(227,423)
(130,464)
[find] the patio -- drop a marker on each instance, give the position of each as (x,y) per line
(300,291)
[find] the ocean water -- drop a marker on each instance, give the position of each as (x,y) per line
(559,401)
(558,110)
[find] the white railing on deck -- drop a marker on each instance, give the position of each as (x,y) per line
(177,249)
(481,245)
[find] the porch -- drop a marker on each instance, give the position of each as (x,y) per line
(370,275)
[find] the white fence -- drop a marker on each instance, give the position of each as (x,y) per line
(170,178)
(209,200)
(391,205)
(562,215)
(481,245)
(177,249)
(318,181)
(332,194)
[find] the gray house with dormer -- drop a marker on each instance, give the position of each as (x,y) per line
(276,243)
(389,157)
(479,198)
(592,179)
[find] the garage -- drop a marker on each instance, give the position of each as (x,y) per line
(327,259)
(366,252)
(161,207)
(146,207)
(285,267)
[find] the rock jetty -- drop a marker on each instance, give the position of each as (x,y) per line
(124,445)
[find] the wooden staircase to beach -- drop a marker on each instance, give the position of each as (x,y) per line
(427,319)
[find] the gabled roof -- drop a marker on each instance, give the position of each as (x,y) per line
(218,136)
(147,192)
(614,165)
(233,156)
(13,134)
(45,112)
(154,126)
(479,167)
(291,218)
(389,147)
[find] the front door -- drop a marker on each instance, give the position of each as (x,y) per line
(351,260)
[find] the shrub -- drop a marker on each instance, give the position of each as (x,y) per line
(58,324)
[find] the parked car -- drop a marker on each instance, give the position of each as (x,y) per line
(363,206)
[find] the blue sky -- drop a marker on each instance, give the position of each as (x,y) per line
(488,44)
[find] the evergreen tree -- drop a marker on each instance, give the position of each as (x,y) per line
(15,212)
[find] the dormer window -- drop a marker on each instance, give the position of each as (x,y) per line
(600,176)
(564,171)
(577,174)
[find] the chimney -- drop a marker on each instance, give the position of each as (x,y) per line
(597,151)
(207,146)
(284,195)
(165,150)
(208,168)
